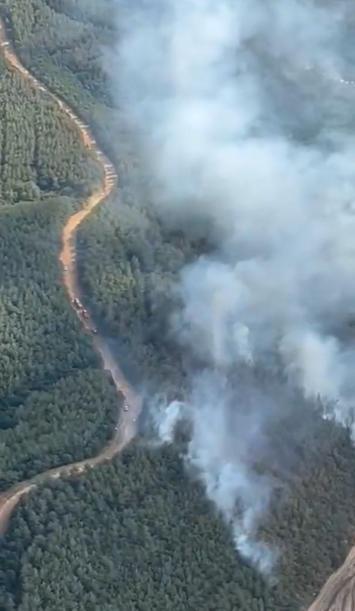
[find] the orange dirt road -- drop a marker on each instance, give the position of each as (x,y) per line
(126,426)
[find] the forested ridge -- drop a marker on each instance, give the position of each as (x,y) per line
(136,534)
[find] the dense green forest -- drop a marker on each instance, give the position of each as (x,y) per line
(129,260)
(128,269)
(111,539)
(312,520)
(61,41)
(158,547)
(137,534)
(39,151)
(56,404)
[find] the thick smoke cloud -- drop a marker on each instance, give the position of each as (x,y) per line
(244,109)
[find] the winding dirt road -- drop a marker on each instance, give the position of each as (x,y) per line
(126,427)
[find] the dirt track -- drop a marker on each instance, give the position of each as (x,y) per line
(126,427)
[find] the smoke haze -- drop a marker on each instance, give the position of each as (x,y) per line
(244,110)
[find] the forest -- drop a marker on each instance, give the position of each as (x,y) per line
(56,404)
(141,556)
(110,539)
(39,152)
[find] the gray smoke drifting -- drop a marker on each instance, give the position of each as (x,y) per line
(244,109)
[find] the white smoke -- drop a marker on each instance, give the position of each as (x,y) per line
(227,442)
(166,420)
(244,111)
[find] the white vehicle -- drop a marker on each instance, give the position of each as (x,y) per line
(125,407)
(65,268)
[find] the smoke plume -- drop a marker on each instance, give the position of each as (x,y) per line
(244,109)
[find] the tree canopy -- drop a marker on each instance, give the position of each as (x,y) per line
(137,534)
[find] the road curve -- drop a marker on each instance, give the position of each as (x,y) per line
(126,427)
